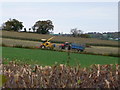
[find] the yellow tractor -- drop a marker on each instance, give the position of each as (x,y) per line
(46,44)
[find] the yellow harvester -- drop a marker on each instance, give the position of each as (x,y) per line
(47,44)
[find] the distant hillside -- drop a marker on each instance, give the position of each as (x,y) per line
(38,37)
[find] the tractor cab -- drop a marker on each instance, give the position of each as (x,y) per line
(65,45)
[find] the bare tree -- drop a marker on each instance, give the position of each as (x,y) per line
(75,32)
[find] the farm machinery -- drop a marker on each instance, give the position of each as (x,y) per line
(66,46)
(71,46)
(47,44)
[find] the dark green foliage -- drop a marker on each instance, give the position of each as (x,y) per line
(43,27)
(12,25)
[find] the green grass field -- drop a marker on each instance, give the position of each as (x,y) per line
(47,57)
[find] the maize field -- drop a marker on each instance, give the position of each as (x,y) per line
(38,37)
(60,76)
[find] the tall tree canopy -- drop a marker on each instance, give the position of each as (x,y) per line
(12,24)
(43,27)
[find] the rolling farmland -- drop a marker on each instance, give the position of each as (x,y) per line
(42,45)
(36,68)
(93,49)
(37,37)
(46,57)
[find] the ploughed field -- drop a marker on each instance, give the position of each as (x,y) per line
(47,57)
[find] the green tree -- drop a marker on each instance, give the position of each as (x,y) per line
(12,24)
(43,27)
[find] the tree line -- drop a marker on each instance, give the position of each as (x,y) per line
(41,27)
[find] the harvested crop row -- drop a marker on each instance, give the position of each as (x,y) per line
(61,76)
(94,49)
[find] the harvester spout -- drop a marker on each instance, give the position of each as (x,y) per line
(50,38)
